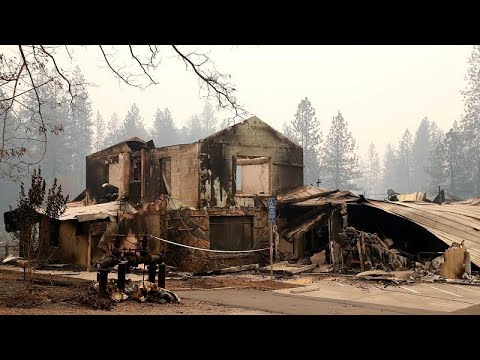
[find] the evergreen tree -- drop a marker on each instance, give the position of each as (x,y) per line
(470,122)
(164,132)
(372,172)
(99,143)
(112,130)
(288,132)
(339,162)
(55,147)
(80,133)
(133,126)
(305,131)
(192,131)
(436,135)
(208,121)
(448,165)
(404,163)
(389,168)
(420,154)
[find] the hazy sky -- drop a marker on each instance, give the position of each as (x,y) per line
(380,90)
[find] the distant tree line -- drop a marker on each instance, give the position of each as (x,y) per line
(424,161)
(433,159)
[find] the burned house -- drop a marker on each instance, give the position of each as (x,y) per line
(210,194)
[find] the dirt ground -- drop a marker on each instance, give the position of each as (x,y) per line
(226,282)
(60,295)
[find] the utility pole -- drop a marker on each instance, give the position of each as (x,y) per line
(272,218)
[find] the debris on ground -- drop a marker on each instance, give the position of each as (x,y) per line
(456,262)
(23,299)
(305,261)
(143,291)
(94,299)
(326,268)
(380,275)
(11,259)
(370,252)
(150,292)
(318,258)
(285,268)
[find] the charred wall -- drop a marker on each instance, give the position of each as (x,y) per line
(252,138)
(152,177)
(183,161)
(73,247)
(111,166)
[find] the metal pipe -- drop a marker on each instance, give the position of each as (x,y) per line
(122,273)
(161,275)
(152,270)
(102,280)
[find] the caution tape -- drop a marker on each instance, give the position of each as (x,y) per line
(209,250)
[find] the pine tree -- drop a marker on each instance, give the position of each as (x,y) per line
(192,131)
(208,121)
(288,132)
(99,142)
(389,168)
(449,164)
(339,162)
(470,123)
(81,132)
(372,171)
(54,147)
(420,154)
(133,126)
(164,132)
(305,131)
(112,130)
(436,135)
(404,163)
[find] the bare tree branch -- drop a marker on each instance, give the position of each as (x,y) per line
(141,65)
(60,73)
(115,71)
(68,52)
(215,81)
(26,91)
(6,110)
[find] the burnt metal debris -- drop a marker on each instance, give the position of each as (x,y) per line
(126,258)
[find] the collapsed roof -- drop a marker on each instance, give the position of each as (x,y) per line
(454,222)
(449,222)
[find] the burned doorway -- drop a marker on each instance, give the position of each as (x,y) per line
(231,232)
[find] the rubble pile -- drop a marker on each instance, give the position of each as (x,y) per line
(143,291)
(370,252)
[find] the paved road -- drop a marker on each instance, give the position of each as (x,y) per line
(294,305)
(436,297)
(334,297)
